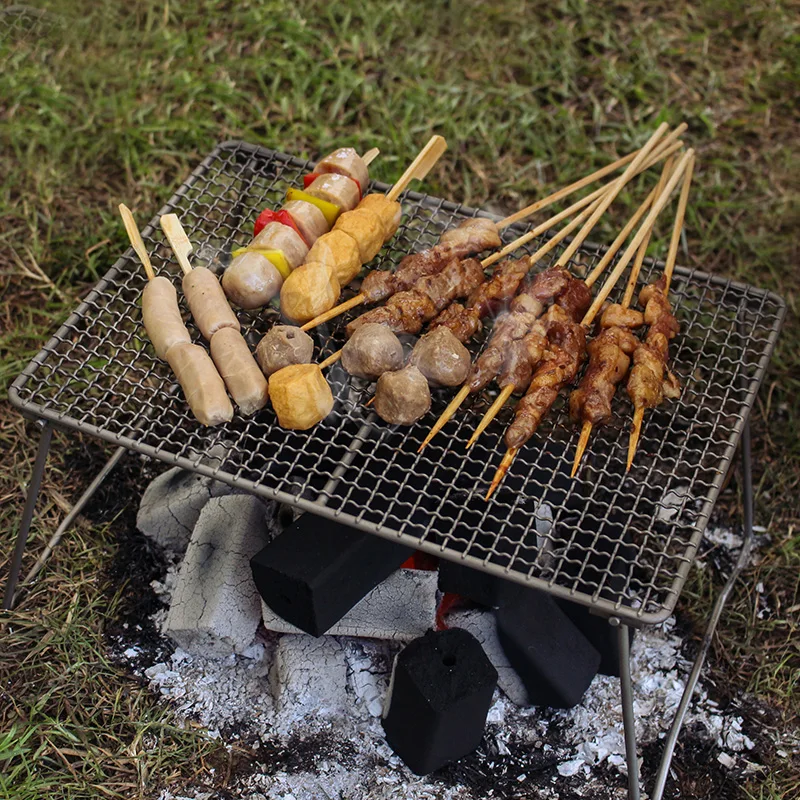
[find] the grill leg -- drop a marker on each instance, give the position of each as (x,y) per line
(27,515)
(628,721)
(691,683)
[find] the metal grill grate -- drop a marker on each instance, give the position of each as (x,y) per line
(622,544)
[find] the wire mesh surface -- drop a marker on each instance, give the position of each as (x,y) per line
(620,543)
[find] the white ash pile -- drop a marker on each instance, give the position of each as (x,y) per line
(291,634)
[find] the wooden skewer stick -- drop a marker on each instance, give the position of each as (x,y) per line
(610,196)
(136,240)
(586,430)
(658,205)
(664,149)
(463,392)
(580,184)
(420,166)
(331,359)
(491,413)
(669,266)
(178,240)
(370,155)
(508,460)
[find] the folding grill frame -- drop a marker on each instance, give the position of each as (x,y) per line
(619,543)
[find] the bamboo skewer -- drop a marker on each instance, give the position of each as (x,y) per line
(611,281)
(370,155)
(507,391)
(664,149)
(135,237)
(178,240)
(586,429)
(669,266)
(583,182)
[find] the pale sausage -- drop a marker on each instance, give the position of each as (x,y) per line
(207,302)
(336,189)
(345,161)
(238,368)
(162,316)
(202,386)
(277,236)
(309,219)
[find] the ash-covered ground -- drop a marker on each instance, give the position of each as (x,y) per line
(330,744)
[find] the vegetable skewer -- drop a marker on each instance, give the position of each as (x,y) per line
(548,379)
(610,351)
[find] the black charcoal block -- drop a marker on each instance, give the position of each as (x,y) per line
(317,570)
(596,629)
(441,690)
(474,584)
(554,659)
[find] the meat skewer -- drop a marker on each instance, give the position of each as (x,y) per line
(195,371)
(380,284)
(552,374)
(646,384)
(610,351)
(357,237)
(230,352)
(501,347)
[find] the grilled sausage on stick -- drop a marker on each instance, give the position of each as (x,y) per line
(217,322)
(195,371)
(380,284)
(647,384)
(356,238)
(544,389)
(610,351)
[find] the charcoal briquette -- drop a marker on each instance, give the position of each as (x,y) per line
(439,696)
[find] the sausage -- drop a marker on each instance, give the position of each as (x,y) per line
(251,280)
(309,219)
(366,228)
(308,291)
(301,396)
(389,211)
(207,302)
(282,346)
(336,189)
(202,386)
(277,236)
(402,397)
(345,161)
(339,251)
(238,368)
(372,350)
(162,317)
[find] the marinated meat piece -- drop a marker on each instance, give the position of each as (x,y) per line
(372,350)
(463,323)
(282,346)
(617,316)
(472,236)
(441,358)
(408,311)
(575,299)
(492,295)
(402,397)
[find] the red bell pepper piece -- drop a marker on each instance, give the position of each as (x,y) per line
(268,215)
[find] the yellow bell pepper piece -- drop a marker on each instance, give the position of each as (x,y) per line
(277,258)
(330,210)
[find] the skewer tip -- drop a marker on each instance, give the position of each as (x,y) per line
(508,459)
(333,312)
(446,416)
(636,431)
(586,432)
(491,413)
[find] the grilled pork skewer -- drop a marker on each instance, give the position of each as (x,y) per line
(553,374)
(647,385)
(430,260)
(610,352)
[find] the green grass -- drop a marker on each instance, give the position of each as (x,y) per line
(111,102)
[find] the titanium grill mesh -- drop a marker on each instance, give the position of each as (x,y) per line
(620,543)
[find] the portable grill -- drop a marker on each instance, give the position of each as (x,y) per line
(619,543)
